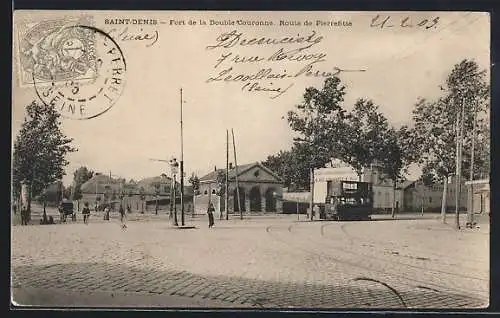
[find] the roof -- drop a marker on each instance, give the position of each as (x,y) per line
(212,176)
(100,181)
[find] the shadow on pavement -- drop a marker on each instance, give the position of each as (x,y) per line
(77,282)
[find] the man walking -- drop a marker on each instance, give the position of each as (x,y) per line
(210,212)
(122,216)
(86,213)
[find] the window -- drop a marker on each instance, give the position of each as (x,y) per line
(430,200)
(205,192)
(213,191)
(379,193)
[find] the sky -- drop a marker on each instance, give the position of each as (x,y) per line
(400,65)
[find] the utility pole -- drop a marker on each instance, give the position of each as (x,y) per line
(236,177)
(311,202)
(227,174)
(462,115)
(457,160)
(470,220)
(458,178)
(182,169)
(175,204)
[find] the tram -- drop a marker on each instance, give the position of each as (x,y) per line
(348,200)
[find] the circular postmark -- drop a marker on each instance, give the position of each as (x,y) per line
(80,70)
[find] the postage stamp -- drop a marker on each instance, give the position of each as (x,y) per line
(52,50)
(75,67)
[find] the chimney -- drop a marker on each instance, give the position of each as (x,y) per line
(230,166)
(215,168)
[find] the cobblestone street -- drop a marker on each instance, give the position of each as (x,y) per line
(261,261)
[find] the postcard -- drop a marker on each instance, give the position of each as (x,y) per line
(250,159)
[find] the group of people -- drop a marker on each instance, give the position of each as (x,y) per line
(86,214)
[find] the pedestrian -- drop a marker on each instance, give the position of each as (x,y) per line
(210,212)
(86,213)
(23,215)
(122,213)
(334,207)
(316,211)
(62,214)
(106,213)
(122,216)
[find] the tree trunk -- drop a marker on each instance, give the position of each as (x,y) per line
(44,211)
(311,203)
(443,201)
(423,198)
(28,205)
(393,199)
(194,205)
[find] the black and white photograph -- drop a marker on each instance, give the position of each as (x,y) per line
(250,160)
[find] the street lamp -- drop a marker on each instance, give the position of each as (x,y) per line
(174,165)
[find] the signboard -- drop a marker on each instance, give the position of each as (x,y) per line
(335,174)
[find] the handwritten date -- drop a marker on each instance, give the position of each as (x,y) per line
(406,22)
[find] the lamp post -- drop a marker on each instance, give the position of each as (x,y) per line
(173,169)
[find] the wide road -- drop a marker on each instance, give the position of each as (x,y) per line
(261,261)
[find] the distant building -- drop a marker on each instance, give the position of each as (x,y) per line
(418,196)
(260,190)
(100,188)
(478,196)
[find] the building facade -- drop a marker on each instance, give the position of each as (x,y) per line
(418,197)
(478,196)
(260,190)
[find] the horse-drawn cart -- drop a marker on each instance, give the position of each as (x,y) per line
(66,209)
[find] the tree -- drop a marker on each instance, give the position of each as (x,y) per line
(395,156)
(294,166)
(221,181)
(367,134)
(319,121)
(281,164)
(436,122)
(80,176)
(195,183)
(40,151)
